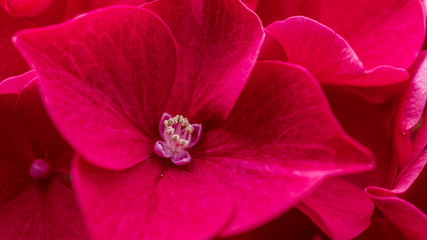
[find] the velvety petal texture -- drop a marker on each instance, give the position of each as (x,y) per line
(339,208)
(49,214)
(410,221)
(108,76)
(34,204)
(218,43)
(279,150)
(328,56)
(11,61)
(105,102)
(150,201)
(17,83)
(383,32)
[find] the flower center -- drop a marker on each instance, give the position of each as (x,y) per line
(177,134)
(39,169)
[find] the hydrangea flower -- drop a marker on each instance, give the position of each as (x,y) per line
(128,87)
(362,71)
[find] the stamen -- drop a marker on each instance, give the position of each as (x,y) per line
(177,134)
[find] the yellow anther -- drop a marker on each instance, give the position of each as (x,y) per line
(172,121)
(170,130)
(166,123)
(181,118)
(185,123)
(183,142)
(189,129)
(175,137)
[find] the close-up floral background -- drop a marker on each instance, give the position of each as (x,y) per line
(213,119)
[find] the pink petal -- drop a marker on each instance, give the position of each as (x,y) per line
(278,141)
(105,81)
(77,7)
(410,221)
(31,111)
(292,225)
(43,214)
(369,124)
(11,62)
(15,150)
(339,208)
(414,99)
(328,56)
(152,200)
(271,49)
(408,146)
(381,32)
(409,173)
(17,83)
(26,8)
(218,43)
(380,228)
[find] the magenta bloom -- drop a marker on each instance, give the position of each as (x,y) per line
(36,201)
(16,15)
(180,133)
(361,70)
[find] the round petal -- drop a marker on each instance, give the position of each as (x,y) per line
(15,150)
(105,78)
(37,213)
(218,43)
(339,208)
(382,32)
(278,142)
(328,56)
(410,221)
(153,200)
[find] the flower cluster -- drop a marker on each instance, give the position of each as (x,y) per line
(201,119)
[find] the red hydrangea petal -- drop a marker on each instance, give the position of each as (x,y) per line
(410,173)
(369,124)
(339,208)
(218,43)
(37,213)
(328,56)
(382,32)
(380,228)
(260,192)
(11,62)
(26,8)
(271,49)
(15,150)
(17,83)
(105,81)
(410,221)
(414,99)
(31,111)
(278,141)
(150,201)
(77,7)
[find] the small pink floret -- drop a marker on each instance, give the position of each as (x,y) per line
(39,169)
(177,134)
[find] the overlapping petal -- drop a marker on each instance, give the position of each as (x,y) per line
(272,144)
(328,56)
(152,200)
(410,221)
(15,150)
(381,33)
(37,213)
(339,208)
(218,43)
(11,62)
(106,78)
